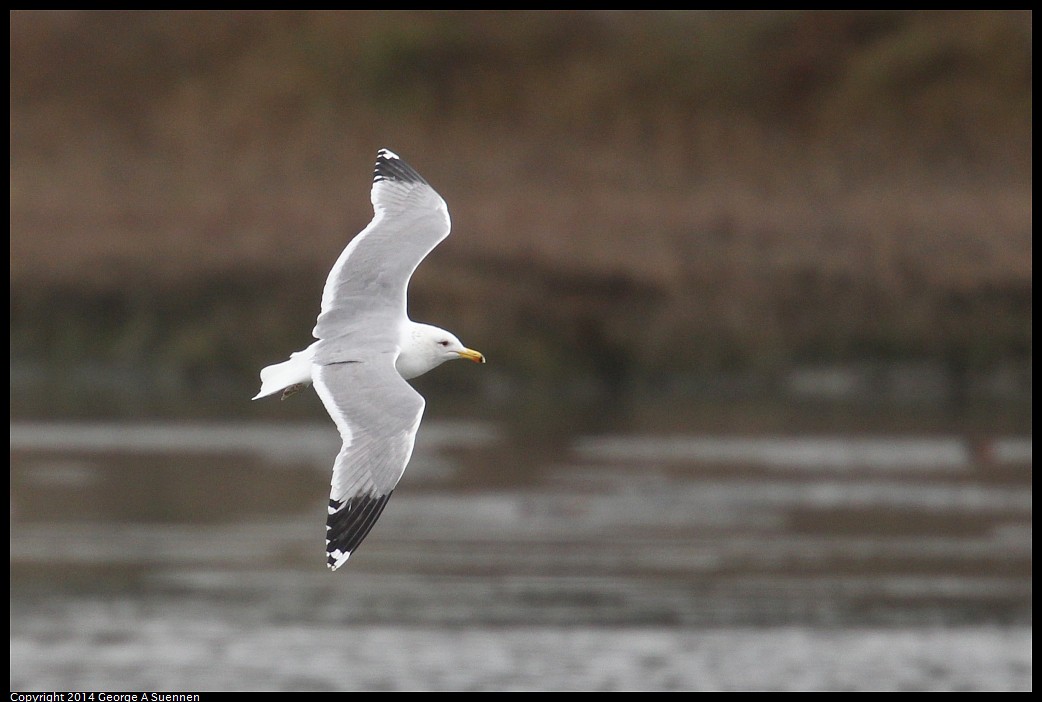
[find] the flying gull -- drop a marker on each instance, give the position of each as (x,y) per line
(368,347)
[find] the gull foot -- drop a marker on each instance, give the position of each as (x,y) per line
(293,390)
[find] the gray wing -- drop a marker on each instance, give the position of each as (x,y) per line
(377,413)
(367,285)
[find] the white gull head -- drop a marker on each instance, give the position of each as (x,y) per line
(425,347)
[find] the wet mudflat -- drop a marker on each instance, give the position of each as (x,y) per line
(190,556)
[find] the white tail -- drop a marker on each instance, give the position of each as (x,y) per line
(295,371)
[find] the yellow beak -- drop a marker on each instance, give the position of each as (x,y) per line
(472,355)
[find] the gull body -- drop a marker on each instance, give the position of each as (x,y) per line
(367,347)
(424,347)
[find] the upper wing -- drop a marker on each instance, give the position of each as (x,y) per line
(377,413)
(370,278)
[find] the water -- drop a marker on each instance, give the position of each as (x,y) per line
(191,557)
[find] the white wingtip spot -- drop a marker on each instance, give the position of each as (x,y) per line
(387,153)
(336,558)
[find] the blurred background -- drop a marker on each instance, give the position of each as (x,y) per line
(755,292)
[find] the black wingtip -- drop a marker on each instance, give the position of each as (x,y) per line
(390,166)
(349,522)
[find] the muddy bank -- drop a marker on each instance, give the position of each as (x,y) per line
(635,199)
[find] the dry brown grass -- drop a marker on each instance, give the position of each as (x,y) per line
(651,190)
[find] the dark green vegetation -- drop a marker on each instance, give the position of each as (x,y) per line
(633,194)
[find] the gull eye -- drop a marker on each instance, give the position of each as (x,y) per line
(443,343)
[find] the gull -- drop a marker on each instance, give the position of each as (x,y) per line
(367,348)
